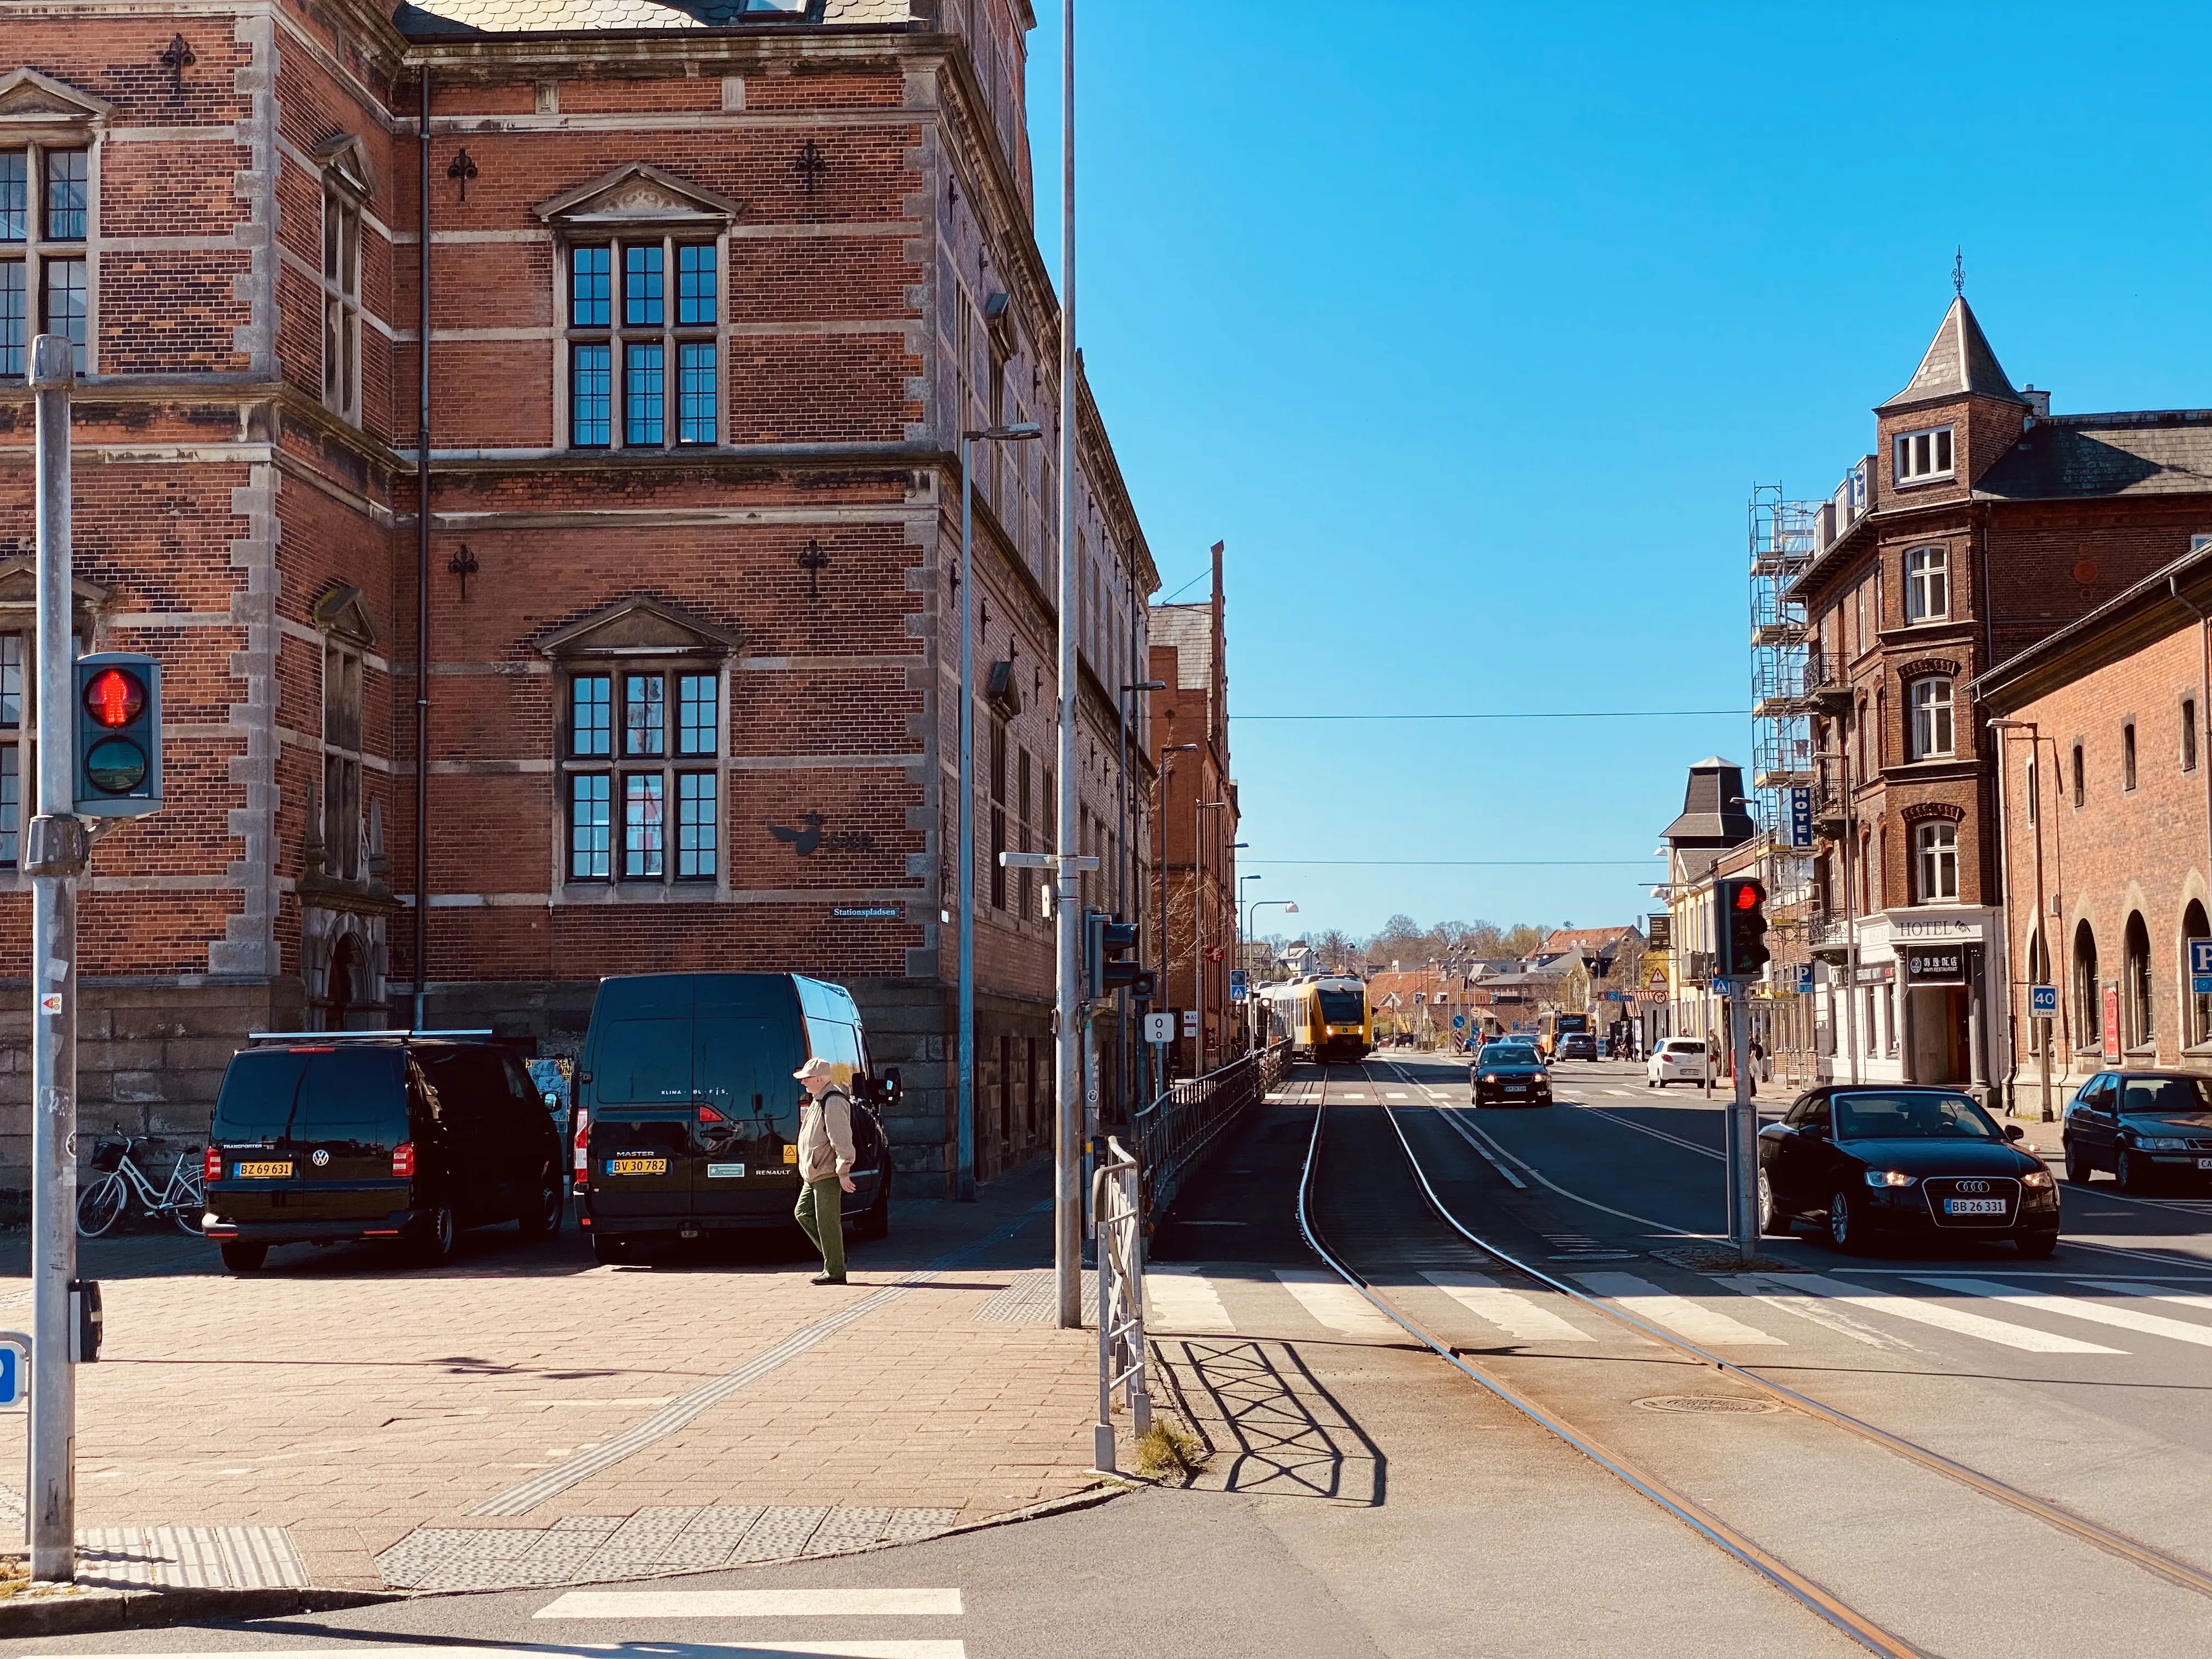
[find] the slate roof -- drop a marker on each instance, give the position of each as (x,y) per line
(448,17)
(1189,629)
(1712,807)
(2166,453)
(1959,362)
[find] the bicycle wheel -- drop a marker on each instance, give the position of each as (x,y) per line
(189,1208)
(99,1205)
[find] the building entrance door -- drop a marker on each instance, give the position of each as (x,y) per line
(1939,1052)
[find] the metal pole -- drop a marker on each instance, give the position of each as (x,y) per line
(56,858)
(1067,916)
(1850,918)
(1743,1131)
(422,562)
(2042,916)
(964,1152)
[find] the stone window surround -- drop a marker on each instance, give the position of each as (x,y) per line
(38,114)
(348,188)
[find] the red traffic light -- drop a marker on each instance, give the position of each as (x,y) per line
(1749,895)
(113,697)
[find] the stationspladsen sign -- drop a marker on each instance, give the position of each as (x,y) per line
(1944,966)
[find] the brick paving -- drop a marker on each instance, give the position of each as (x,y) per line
(352,1400)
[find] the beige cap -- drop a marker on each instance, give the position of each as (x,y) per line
(815,1067)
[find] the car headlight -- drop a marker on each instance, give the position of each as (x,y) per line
(2162,1143)
(1543,1077)
(1889,1178)
(2036,1178)
(1487,1077)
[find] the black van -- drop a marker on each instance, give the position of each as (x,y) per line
(688,1114)
(326,1138)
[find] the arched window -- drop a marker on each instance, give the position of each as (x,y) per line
(1931,719)
(2136,1029)
(1935,862)
(2081,790)
(2089,998)
(2197,1021)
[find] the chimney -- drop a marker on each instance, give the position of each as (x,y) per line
(2039,403)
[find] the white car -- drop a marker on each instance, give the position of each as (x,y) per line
(1678,1059)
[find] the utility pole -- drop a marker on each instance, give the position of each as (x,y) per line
(56,858)
(1067,914)
(1743,1131)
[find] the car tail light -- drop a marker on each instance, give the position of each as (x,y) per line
(583,1142)
(403,1160)
(212,1169)
(709,1114)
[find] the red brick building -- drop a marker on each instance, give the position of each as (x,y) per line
(713,287)
(2107,832)
(1981,523)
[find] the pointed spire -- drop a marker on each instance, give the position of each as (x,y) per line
(1959,363)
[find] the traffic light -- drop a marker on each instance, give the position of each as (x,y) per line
(1738,927)
(1107,965)
(119,735)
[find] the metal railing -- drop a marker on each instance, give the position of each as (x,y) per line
(1117,1219)
(1171,1134)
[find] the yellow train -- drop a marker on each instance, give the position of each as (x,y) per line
(1325,1018)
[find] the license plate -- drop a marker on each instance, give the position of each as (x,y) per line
(2204,1162)
(1974,1207)
(275,1170)
(725,1172)
(637,1166)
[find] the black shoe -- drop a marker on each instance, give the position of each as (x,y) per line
(824,1279)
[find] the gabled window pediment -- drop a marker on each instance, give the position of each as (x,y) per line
(341,611)
(636,195)
(344,162)
(639,627)
(32,103)
(19,591)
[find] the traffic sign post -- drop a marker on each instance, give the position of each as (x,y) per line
(2043,1005)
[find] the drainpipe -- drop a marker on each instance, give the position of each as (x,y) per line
(423,560)
(2204,701)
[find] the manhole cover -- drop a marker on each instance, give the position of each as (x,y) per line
(1704,1402)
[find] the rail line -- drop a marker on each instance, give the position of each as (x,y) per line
(2170,1568)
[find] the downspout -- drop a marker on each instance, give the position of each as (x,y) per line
(1982,1031)
(2203,701)
(422,558)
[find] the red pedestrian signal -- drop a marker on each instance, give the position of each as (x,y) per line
(114,697)
(119,735)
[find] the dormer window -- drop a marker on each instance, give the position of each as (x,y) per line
(1923,455)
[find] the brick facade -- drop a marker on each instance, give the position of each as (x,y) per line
(245,500)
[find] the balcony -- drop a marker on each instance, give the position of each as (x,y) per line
(1827,934)
(1827,687)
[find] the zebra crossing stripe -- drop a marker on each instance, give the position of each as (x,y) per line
(1185,1301)
(1334,1303)
(1677,1313)
(2153,1292)
(2025,1338)
(797,1602)
(1516,1314)
(2074,1307)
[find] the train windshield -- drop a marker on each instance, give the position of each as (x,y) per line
(1341,1007)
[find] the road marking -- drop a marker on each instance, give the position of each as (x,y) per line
(2025,1338)
(1334,1303)
(1493,1155)
(852,1649)
(1513,1312)
(1677,1313)
(1451,1116)
(1646,1129)
(1626,1094)
(2147,1288)
(807,1603)
(1183,1300)
(2074,1307)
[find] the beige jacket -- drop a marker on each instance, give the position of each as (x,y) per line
(825,1135)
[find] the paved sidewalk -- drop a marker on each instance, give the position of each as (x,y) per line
(524,1416)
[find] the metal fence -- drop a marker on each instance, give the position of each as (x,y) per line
(1117,1217)
(1170,1135)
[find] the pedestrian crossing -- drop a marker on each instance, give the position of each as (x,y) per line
(1740,1315)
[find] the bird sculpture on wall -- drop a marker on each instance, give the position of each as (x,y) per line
(803,841)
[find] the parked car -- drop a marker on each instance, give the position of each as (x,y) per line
(688,1113)
(1876,1163)
(1575,1045)
(1509,1074)
(2144,1127)
(1676,1060)
(326,1138)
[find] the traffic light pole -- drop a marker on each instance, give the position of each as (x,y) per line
(1743,1131)
(56,860)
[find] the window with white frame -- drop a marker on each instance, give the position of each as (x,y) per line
(642,344)
(341,300)
(1935,860)
(1921,455)
(45,213)
(1931,719)
(1927,585)
(641,787)
(342,759)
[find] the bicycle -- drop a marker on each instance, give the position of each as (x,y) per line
(101,1204)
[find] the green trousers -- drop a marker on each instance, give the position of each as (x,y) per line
(821,1212)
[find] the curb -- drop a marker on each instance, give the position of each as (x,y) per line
(64,1614)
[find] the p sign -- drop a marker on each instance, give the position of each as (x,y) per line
(2200,967)
(14,1371)
(2043,1002)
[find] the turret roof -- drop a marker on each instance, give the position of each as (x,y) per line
(1958,363)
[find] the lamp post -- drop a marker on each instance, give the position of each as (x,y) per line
(1290,909)
(2042,934)
(964,1175)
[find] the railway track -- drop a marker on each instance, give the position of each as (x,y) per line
(1343,1255)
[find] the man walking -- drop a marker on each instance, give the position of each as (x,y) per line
(825,1164)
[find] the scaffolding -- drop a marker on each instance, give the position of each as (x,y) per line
(1782,548)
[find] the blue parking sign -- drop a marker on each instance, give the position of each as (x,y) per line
(14,1369)
(2200,966)
(2043,1002)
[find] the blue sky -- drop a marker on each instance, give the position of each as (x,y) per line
(1470,327)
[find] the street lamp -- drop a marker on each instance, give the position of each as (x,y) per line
(1290,909)
(1022,432)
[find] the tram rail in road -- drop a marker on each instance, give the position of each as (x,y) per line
(1749,1552)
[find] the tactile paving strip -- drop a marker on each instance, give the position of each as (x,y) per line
(1032,1299)
(188,1558)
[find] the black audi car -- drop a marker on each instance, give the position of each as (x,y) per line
(1874,1162)
(1509,1074)
(2144,1127)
